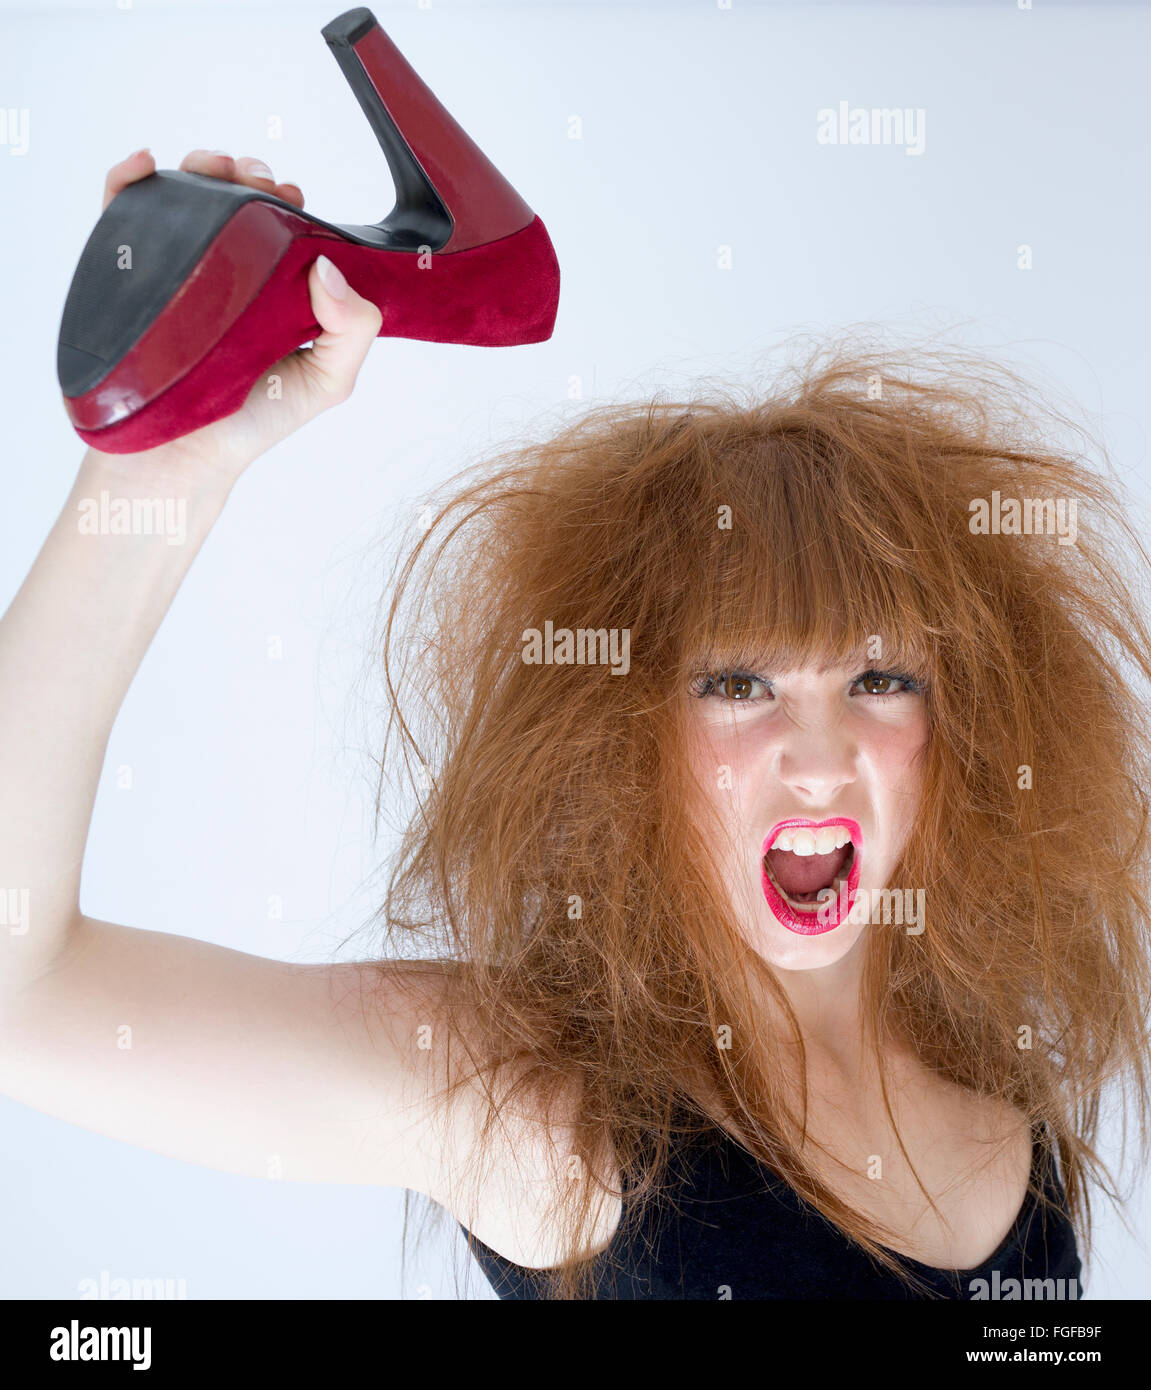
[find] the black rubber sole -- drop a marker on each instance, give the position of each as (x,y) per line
(140,252)
(145,245)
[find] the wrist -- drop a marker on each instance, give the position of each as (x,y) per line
(139,494)
(157,473)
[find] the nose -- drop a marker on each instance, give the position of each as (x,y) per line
(818,761)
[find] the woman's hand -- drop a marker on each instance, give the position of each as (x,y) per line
(311,380)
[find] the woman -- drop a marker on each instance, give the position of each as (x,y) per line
(780,868)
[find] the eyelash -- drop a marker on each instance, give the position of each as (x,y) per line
(704,686)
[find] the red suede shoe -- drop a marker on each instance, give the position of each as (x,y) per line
(217,291)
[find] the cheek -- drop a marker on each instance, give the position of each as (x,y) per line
(894,757)
(726,761)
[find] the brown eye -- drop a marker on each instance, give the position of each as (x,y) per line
(737,685)
(731,685)
(883,683)
(877,685)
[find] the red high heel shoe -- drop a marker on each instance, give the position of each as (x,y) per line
(217,290)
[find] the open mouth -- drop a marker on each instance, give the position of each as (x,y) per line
(811,872)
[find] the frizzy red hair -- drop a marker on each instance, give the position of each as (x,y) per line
(558,863)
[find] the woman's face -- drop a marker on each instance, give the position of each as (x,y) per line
(816,776)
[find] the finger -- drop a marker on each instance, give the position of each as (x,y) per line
(256,174)
(291,193)
(217,164)
(251,170)
(351,324)
(136,166)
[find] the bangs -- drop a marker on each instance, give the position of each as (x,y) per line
(770,619)
(823,566)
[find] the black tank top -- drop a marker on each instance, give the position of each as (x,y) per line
(736,1231)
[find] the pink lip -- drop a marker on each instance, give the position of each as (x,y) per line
(804,923)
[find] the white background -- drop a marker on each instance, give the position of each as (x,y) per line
(251,777)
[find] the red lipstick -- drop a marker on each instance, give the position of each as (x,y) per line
(823,916)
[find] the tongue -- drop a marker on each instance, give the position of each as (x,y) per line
(797,874)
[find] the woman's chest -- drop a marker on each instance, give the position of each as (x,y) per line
(947,1177)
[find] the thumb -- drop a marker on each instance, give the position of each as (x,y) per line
(350,322)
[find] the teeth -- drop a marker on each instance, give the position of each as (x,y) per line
(805,842)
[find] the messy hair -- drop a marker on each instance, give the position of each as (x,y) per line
(788,525)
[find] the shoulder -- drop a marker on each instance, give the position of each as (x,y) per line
(515,1181)
(1002,1131)
(486,1145)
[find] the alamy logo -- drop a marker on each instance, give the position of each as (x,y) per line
(1029,516)
(14,128)
(134,516)
(1012,1290)
(76,1343)
(108,1287)
(14,910)
(877,907)
(582,646)
(875,125)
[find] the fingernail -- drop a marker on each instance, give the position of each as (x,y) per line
(259,170)
(134,153)
(334,282)
(225,153)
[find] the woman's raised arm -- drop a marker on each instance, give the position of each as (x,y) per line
(76,632)
(197,1051)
